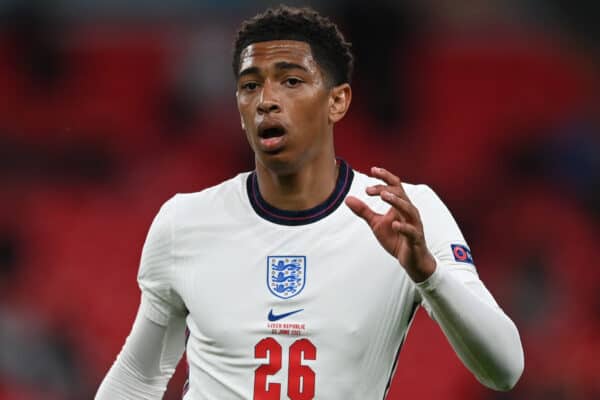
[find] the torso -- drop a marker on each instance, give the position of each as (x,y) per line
(233,268)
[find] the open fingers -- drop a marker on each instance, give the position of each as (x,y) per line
(402,206)
(359,208)
(385,176)
(375,190)
(408,230)
(394,184)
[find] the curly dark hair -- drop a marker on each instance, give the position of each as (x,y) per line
(329,48)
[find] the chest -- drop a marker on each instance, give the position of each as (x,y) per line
(333,285)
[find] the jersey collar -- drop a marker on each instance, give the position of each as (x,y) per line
(302,217)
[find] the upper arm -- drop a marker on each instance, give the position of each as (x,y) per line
(159,301)
(154,350)
(146,362)
(442,234)
(446,242)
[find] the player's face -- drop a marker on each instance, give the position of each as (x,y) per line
(284,103)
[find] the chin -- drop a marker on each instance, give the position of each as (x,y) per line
(281,162)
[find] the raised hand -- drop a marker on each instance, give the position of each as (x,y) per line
(399,230)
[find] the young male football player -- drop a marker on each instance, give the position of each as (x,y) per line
(285,291)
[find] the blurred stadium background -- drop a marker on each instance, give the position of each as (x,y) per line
(108,108)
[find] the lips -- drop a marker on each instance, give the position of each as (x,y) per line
(271,136)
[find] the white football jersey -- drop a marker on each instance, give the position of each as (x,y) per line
(281,304)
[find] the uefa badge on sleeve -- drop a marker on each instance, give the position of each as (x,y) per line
(462,254)
(286,275)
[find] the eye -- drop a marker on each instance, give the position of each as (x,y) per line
(292,82)
(249,86)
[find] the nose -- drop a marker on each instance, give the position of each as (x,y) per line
(268,101)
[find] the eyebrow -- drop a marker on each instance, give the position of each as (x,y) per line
(249,71)
(287,65)
(281,65)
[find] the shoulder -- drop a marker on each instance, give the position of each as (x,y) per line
(220,195)
(421,195)
(219,205)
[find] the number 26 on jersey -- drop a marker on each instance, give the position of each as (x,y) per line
(301,378)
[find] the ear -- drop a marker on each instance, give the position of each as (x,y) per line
(339,101)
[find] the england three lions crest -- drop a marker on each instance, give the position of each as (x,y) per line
(286,275)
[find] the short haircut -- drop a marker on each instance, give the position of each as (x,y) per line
(328,46)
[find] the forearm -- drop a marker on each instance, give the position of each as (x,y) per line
(146,363)
(482,335)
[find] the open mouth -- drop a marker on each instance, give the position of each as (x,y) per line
(272,138)
(272,132)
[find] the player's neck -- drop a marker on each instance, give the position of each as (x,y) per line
(306,188)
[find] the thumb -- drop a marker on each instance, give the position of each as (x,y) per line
(359,208)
